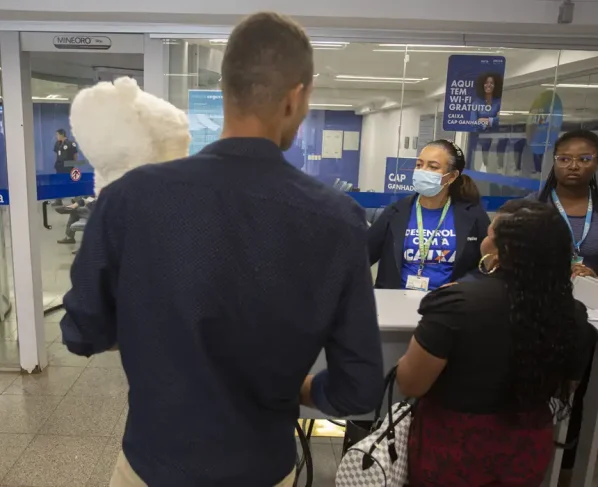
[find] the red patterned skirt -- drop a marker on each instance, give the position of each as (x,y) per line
(451,449)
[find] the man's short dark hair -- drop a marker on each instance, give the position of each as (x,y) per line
(267,55)
(61,132)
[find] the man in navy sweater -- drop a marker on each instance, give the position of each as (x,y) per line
(219,326)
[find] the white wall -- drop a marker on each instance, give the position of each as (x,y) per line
(519,11)
(503,15)
(380,139)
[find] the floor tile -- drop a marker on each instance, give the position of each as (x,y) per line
(6,379)
(58,354)
(107,360)
(53,332)
(56,461)
(8,331)
(324,465)
(103,471)
(11,446)
(9,354)
(101,382)
(25,414)
(54,317)
(85,416)
(119,429)
(53,381)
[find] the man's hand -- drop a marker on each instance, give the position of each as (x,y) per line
(580,270)
(305,397)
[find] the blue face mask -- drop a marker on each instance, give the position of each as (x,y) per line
(427,183)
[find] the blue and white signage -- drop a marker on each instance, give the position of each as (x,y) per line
(206,117)
(399,175)
(474,86)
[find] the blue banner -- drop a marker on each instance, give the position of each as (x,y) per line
(206,117)
(382,200)
(399,175)
(474,86)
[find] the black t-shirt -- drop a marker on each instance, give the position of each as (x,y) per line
(468,324)
(65,150)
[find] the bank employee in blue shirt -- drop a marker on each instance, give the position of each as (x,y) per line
(433,237)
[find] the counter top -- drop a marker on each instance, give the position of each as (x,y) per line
(397,309)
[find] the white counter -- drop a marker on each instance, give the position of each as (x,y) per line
(397,309)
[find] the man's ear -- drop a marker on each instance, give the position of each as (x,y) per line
(294,99)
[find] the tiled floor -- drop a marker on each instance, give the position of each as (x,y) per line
(63,427)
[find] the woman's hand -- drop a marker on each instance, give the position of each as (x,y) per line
(580,270)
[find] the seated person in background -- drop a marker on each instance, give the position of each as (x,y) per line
(488,358)
(571,187)
(432,238)
(77,210)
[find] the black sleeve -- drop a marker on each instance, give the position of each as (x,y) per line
(585,342)
(377,234)
(442,311)
(74,149)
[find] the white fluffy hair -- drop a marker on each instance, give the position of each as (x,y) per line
(120,127)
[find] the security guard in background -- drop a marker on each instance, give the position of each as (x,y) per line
(66,150)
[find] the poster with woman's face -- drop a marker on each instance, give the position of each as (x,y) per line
(474,87)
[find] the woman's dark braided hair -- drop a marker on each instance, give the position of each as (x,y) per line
(590,137)
(534,251)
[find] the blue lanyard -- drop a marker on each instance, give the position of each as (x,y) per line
(587,224)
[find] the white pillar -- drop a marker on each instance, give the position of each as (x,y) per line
(155,67)
(25,224)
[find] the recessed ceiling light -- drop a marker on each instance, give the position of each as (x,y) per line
(329,45)
(378,79)
(583,86)
(330,105)
(435,51)
(218,41)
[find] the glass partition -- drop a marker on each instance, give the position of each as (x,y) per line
(375,106)
(9,347)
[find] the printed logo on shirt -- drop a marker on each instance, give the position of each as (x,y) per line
(436,254)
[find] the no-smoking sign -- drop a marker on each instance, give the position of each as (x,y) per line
(75,174)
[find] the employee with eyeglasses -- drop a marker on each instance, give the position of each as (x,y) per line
(571,187)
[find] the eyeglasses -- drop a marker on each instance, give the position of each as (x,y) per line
(584,160)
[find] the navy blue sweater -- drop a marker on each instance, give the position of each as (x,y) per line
(221,277)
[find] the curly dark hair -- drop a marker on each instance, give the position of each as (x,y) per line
(498,85)
(551,181)
(534,251)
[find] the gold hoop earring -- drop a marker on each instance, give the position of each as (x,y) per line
(483,269)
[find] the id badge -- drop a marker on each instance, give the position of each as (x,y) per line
(418,283)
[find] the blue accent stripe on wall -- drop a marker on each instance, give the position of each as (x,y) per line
(381,200)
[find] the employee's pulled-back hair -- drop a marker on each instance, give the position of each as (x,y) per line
(534,251)
(61,132)
(551,181)
(267,55)
(463,188)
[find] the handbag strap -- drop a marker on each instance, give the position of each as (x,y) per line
(388,389)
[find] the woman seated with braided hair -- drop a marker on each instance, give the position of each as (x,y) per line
(495,360)
(433,237)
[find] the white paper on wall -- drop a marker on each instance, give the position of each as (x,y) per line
(351,140)
(332,144)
